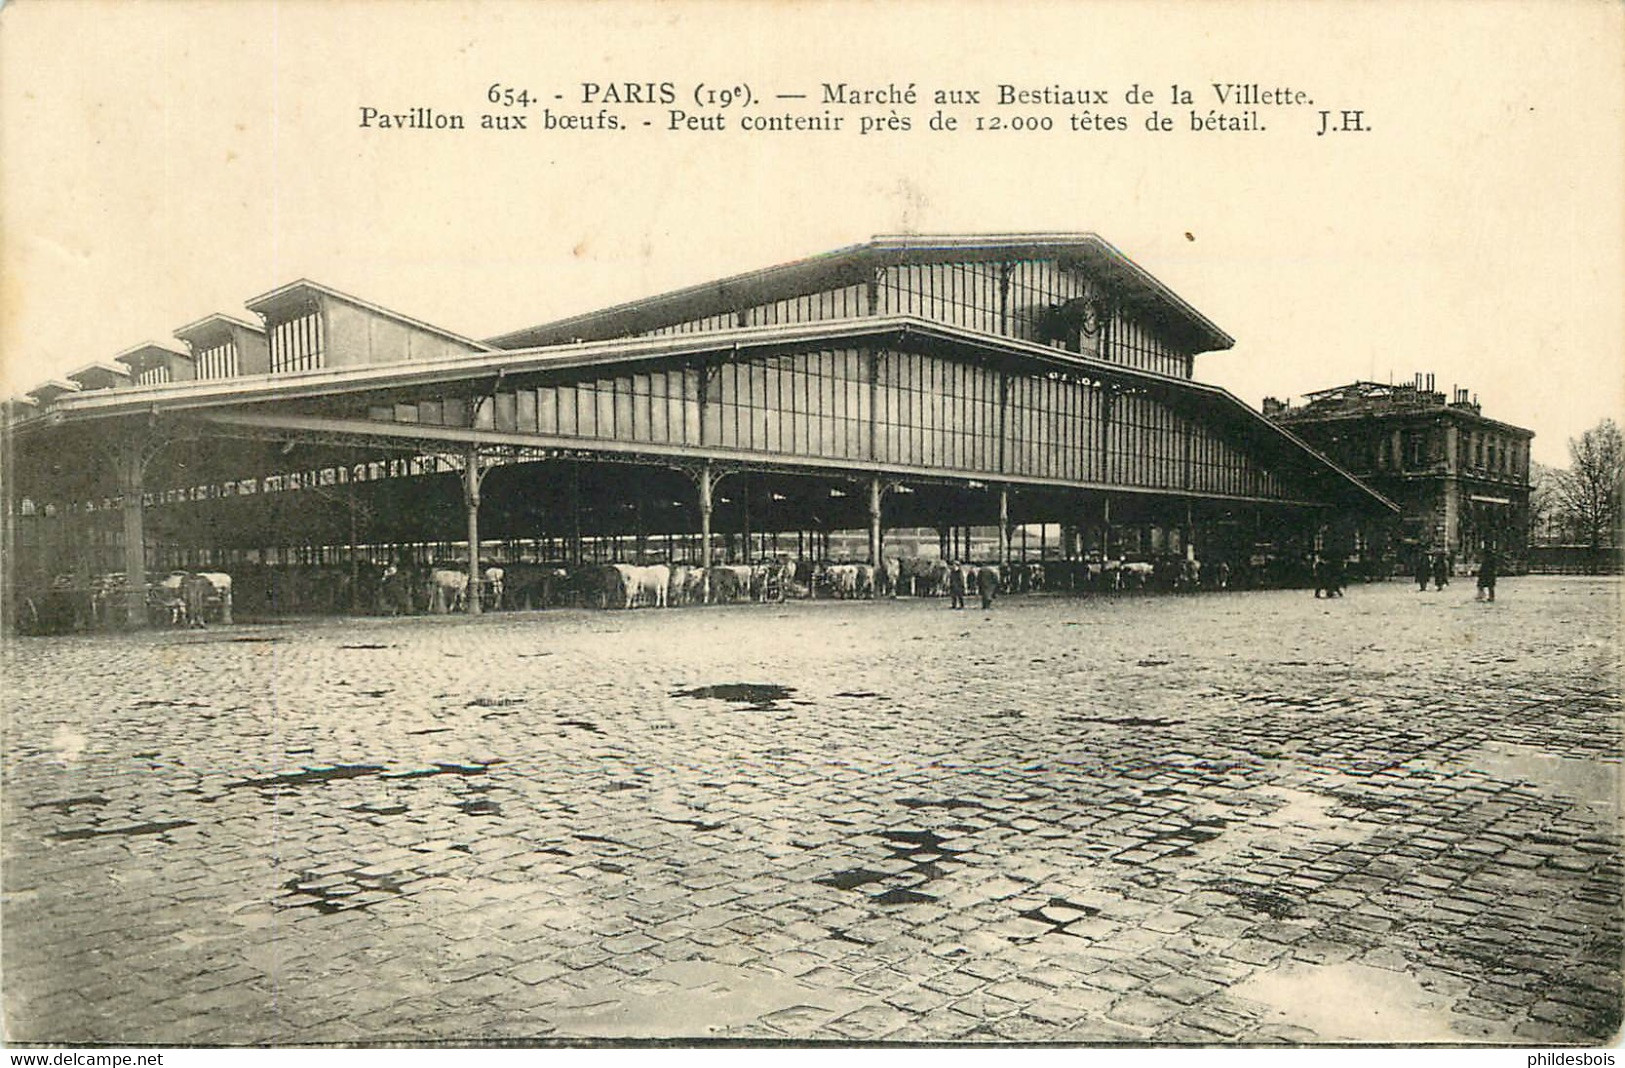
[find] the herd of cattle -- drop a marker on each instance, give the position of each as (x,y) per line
(399,589)
(197,598)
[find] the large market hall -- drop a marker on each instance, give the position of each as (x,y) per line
(1011,396)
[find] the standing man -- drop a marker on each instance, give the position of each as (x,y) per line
(956,585)
(1423,571)
(1487,568)
(1441,571)
(987,584)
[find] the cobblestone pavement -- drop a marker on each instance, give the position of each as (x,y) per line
(1221,818)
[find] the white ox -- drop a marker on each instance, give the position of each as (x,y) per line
(171,592)
(209,586)
(493,585)
(850,580)
(1137,573)
(644,586)
(447,589)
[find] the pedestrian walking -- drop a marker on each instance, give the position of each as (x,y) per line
(987,584)
(1487,568)
(1441,571)
(1424,571)
(956,585)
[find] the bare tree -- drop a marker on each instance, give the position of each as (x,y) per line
(1545,519)
(1589,491)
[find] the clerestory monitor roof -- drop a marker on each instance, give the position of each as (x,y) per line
(854,263)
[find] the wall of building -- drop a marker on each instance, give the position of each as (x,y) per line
(356,336)
(924,411)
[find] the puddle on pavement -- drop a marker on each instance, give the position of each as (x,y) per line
(1258,899)
(440,769)
(1367,802)
(494,702)
(356,889)
(582,725)
(1059,914)
(1596,782)
(366,645)
(330,773)
(479,806)
(1307,814)
(758,696)
(852,878)
(375,809)
(946,803)
(698,825)
(255,640)
(68,804)
(923,851)
(1187,836)
(1121,721)
(1354,1003)
(857,693)
(134,829)
(308,776)
(697,999)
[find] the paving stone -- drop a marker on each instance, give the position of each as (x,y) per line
(1142,1011)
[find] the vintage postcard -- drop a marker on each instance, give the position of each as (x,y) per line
(809,524)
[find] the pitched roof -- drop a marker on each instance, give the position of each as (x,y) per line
(303,288)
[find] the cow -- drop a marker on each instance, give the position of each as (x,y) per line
(840,579)
(1136,573)
(727,583)
(168,596)
(107,595)
(741,586)
(891,576)
(535,585)
(493,586)
(687,584)
(677,588)
(629,585)
(1330,577)
(212,588)
(446,589)
(653,582)
(395,591)
(195,590)
(928,578)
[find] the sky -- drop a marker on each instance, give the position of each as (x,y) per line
(159,162)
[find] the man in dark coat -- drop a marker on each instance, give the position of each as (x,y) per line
(987,584)
(956,585)
(1487,569)
(1441,571)
(1424,571)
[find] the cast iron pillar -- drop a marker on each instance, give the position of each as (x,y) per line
(132,468)
(874,521)
(471,504)
(1004,526)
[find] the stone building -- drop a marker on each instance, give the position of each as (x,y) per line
(1460,478)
